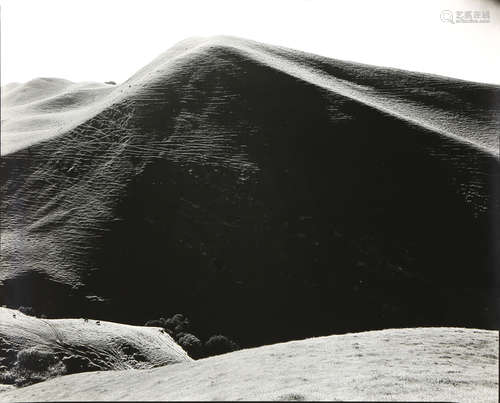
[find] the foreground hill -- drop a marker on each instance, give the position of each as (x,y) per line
(266,193)
(430,364)
(77,345)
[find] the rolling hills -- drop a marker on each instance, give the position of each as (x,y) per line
(266,193)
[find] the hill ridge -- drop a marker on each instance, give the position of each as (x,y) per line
(308,70)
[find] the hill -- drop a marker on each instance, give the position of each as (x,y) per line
(266,193)
(426,364)
(33,349)
(45,107)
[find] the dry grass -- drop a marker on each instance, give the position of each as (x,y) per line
(426,364)
(78,345)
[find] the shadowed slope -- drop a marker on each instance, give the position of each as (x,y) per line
(253,187)
(426,364)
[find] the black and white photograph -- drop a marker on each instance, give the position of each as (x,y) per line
(265,200)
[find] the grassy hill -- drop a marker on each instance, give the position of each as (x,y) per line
(266,193)
(33,349)
(423,364)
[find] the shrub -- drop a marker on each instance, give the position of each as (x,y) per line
(180,322)
(7,377)
(75,364)
(34,365)
(191,344)
(32,359)
(178,336)
(219,344)
(25,378)
(8,356)
(176,324)
(178,327)
(27,310)
(178,318)
(169,324)
(154,323)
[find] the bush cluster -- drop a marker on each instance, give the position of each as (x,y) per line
(27,310)
(32,365)
(179,327)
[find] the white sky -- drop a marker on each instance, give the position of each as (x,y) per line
(101,40)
